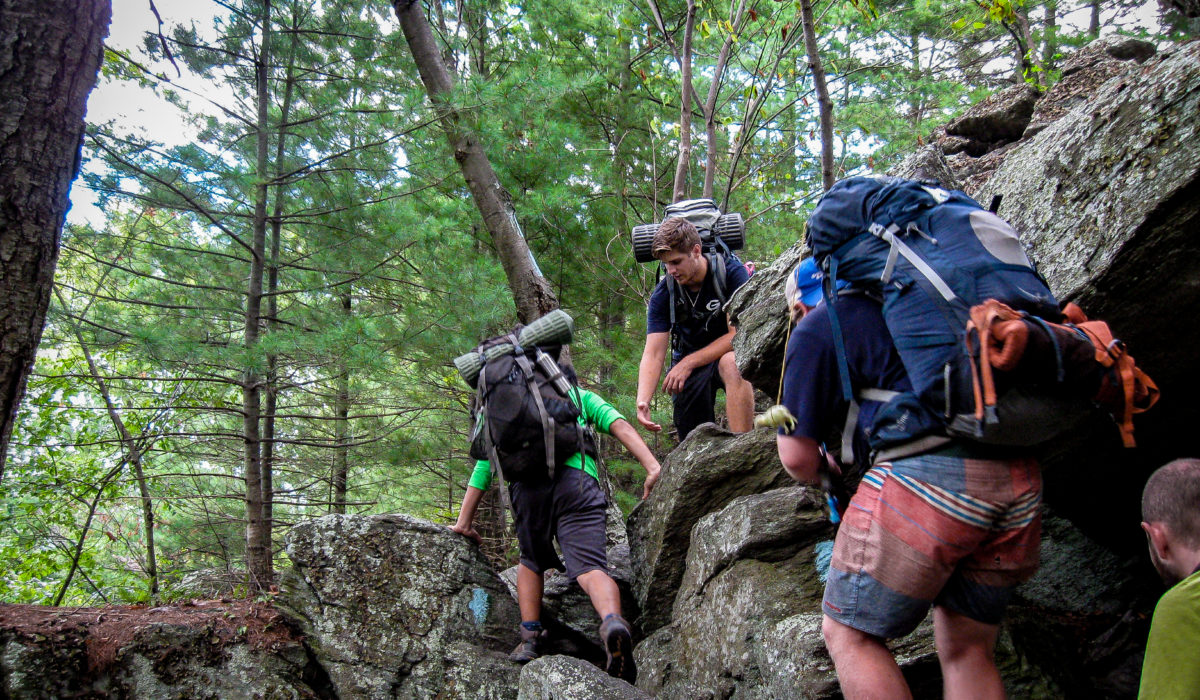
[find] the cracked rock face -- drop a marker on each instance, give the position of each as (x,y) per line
(397,607)
(708,470)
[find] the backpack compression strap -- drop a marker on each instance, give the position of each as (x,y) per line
(547,421)
(906,449)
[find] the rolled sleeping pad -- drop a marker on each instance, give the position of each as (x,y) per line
(555,328)
(643,242)
(730,228)
(469,366)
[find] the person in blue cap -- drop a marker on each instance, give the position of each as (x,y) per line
(803,288)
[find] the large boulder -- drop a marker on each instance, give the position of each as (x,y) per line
(998,119)
(760,313)
(1083,73)
(208,649)
(708,470)
(567,678)
(397,607)
(749,565)
(1108,201)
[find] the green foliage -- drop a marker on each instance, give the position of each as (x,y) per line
(577,106)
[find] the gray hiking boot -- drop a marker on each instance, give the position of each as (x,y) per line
(617,639)
(530,647)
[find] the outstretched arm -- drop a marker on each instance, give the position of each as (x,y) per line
(623,431)
(466,515)
(648,373)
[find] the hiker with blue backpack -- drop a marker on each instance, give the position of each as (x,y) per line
(534,428)
(916,363)
(685,314)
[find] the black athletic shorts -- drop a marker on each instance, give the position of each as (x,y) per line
(571,509)
(696,403)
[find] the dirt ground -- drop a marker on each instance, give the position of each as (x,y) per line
(105,630)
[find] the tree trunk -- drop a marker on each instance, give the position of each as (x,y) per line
(824,104)
(341,427)
(258,548)
(685,108)
(1023,38)
(916,106)
(272,383)
(1094,24)
(1050,35)
(710,103)
(532,295)
(50,53)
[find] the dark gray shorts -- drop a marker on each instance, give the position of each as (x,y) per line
(571,509)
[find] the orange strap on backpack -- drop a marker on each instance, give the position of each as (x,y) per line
(1003,335)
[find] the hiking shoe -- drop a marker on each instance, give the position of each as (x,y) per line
(530,647)
(618,648)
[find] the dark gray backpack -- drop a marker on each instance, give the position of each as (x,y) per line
(525,421)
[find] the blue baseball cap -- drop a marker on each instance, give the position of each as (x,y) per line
(804,284)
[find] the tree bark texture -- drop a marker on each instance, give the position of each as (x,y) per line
(258,545)
(710,103)
(50,54)
(531,292)
(824,104)
(341,426)
(685,108)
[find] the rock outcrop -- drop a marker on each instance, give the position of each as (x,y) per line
(397,607)
(567,678)
(747,620)
(211,649)
(708,470)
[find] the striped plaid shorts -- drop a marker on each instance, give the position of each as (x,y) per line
(934,530)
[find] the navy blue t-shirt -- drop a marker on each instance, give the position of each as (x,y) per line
(812,388)
(699,319)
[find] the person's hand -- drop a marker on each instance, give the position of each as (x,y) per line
(643,416)
(677,377)
(652,474)
(468,532)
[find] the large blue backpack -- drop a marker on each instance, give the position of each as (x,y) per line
(931,254)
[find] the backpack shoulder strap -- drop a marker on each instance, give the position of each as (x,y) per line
(671,285)
(716,265)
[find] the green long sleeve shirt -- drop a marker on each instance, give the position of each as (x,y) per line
(593,411)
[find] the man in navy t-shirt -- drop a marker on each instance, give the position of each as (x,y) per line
(700,339)
(954,528)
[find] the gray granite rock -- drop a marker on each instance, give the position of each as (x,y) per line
(567,678)
(708,470)
(397,607)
